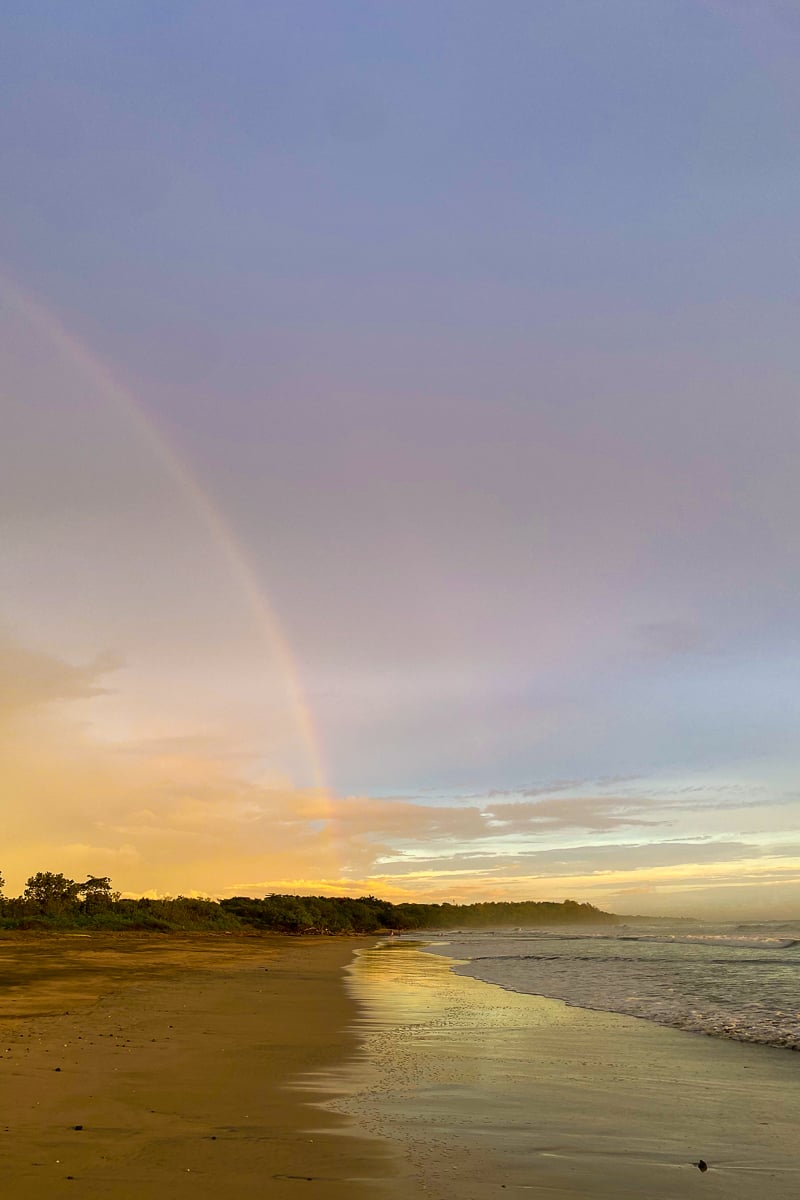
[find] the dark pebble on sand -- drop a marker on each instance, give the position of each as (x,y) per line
(702,1165)
(77,1127)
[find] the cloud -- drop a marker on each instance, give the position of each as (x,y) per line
(569,812)
(31,678)
(587,859)
(562,785)
(184,813)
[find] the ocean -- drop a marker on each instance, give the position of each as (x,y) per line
(734,981)
(552,1082)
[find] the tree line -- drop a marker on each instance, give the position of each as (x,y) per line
(52,901)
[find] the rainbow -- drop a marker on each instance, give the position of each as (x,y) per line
(225,542)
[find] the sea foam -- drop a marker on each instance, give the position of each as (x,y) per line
(740,982)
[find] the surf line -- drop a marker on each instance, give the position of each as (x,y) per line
(223,538)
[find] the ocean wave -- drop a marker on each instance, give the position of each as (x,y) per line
(741,988)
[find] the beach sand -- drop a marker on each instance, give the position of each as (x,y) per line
(497,1094)
(216,1066)
(156,1066)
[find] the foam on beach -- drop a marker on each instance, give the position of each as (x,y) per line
(492,1091)
(739,983)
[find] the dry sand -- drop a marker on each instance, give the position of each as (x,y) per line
(155,1066)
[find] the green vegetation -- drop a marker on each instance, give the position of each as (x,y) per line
(51,901)
(327,914)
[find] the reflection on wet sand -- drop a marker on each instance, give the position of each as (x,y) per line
(489,1090)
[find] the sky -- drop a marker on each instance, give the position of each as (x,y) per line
(398,471)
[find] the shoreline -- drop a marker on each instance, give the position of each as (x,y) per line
(491,1089)
(212,1065)
(669,1000)
(137,1065)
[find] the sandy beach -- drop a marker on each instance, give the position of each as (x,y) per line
(497,1093)
(144,1066)
(217,1066)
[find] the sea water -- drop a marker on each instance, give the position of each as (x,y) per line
(731,981)
(484,1090)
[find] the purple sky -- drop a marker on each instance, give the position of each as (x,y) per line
(464,335)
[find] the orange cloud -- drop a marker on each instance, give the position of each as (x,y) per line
(183,814)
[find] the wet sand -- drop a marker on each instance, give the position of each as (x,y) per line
(495,1093)
(236,1067)
(144,1066)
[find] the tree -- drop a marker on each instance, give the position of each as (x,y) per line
(95,893)
(51,893)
